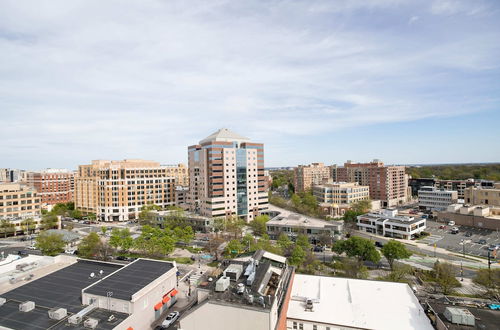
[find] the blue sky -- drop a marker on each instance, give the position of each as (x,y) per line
(407,82)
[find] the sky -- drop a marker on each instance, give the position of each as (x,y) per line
(404,81)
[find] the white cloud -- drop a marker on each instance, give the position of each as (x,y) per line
(120,78)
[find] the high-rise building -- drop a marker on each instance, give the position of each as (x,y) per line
(117,190)
(389,184)
(226,176)
(18,201)
(306,176)
(53,185)
(179,172)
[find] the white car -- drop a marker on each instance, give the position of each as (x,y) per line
(31,247)
(171,318)
(451,223)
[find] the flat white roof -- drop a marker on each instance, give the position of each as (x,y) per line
(356,303)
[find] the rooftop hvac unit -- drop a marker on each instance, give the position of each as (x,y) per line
(74,319)
(2,301)
(90,323)
(222,284)
(234,271)
(251,278)
(58,313)
(27,306)
(460,316)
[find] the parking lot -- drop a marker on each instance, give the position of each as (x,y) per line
(443,238)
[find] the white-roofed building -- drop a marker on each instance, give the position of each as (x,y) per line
(328,303)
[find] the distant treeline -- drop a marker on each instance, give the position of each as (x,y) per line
(457,172)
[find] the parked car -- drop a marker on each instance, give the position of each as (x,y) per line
(468,234)
(22,253)
(318,248)
(442,227)
(451,223)
(425,216)
(481,241)
(171,318)
(31,247)
(379,244)
(454,230)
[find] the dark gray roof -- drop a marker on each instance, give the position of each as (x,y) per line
(485,318)
(62,288)
(130,279)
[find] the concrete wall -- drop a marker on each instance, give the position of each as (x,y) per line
(470,220)
(213,316)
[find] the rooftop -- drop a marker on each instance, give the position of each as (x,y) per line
(225,135)
(62,288)
(356,303)
(484,318)
(295,219)
(391,215)
(128,280)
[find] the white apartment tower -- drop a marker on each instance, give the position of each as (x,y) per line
(226,176)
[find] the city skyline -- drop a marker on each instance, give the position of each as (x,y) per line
(413,82)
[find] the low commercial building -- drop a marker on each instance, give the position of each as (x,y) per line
(483,195)
(197,222)
(53,185)
(18,201)
(479,216)
(248,295)
(328,303)
(181,197)
(432,199)
(293,224)
(455,314)
(388,223)
(89,294)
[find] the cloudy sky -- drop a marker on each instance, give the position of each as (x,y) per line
(405,81)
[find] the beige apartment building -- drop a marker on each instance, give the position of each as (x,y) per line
(117,190)
(226,176)
(179,172)
(18,201)
(483,195)
(336,197)
(306,176)
(389,184)
(53,185)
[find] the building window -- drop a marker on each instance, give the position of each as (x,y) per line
(301,326)
(315,327)
(294,325)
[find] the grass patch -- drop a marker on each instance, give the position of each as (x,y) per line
(193,249)
(181,260)
(213,263)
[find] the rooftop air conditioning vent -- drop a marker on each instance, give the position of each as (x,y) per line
(91,323)
(27,306)
(58,313)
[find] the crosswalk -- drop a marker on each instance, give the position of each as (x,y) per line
(430,240)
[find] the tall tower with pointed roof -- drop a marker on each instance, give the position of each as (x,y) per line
(226,176)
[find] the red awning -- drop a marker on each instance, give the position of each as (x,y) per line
(158,306)
(130,328)
(166,299)
(174,292)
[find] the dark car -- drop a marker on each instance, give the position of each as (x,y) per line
(378,244)
(318,248)
(481,241)
(22,253)
(468,234)
(123,258)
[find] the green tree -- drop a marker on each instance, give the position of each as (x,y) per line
(6,227)
(234,248)
(184,234)
(50,244)
(394,250)
(234,225)
(357,247)
(445,277)
(297,256)
(49,221)
(76,214)
(28,225)
(353,269)
(284,241)
(155,241)
(303,242)
(146,216)
(362,206)
(121,238)
(90,246)
(490,279)
(219,225)
(399,273)
(104,229)
(259,224)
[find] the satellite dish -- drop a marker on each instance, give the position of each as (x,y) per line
(92,275)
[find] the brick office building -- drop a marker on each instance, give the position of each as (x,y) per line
(53,185)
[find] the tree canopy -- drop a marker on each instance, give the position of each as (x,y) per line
(357,247)
(394,250)
(259,224)
(50,244)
